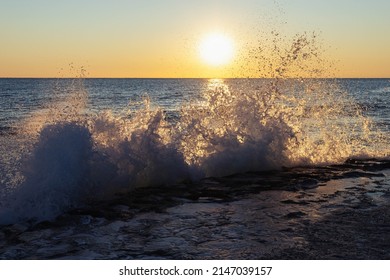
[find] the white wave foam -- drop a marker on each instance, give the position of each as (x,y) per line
(70,158)
(54,174)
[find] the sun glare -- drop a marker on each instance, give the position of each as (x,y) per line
(216,49)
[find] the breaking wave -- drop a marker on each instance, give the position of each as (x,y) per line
(65,156)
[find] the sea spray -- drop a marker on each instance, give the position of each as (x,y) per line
(230,132)
(55,175)
(67,155)
(140,147)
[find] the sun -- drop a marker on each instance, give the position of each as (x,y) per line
(216,49)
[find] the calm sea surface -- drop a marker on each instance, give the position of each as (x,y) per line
(20,97)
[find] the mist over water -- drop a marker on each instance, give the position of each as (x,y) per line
(74,147)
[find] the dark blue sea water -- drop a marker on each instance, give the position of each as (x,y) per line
(20,97)
(150,157)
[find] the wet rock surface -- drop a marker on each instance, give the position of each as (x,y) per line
(330,212)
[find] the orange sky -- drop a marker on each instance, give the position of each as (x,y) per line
(153,38)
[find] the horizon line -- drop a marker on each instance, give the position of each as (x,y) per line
(193,78)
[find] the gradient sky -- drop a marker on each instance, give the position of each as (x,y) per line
(150,38)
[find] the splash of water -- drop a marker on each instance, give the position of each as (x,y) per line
(66,156)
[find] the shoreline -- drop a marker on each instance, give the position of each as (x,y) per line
(333,212)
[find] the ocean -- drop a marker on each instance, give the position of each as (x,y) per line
(194,168)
